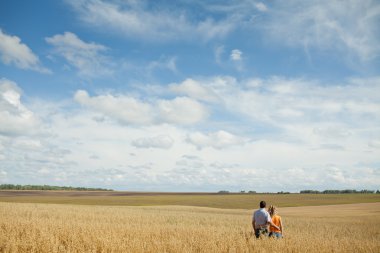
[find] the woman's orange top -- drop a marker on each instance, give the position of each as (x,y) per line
(276,219)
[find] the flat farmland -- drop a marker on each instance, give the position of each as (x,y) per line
(31,227)
(228,201)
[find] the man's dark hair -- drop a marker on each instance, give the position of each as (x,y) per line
(263,204)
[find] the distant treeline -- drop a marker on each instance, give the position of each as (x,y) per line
(305,192)
(337,191)
(48,187)
(250,192)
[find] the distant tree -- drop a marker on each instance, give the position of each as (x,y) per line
(346,191)
(252,192)
(48,187)
(309,192)
(367,191)
(223,192)
(242,191)
(331,191)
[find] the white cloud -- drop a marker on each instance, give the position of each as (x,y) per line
(289,113)
(218,52)
(346,26)
(261,7)
(87,58)
(219,140)
(336,174)
(16,118)
(27,143)
(349,27)
(236,55)
(296,110)
(254,83)
(14,52)
(169,63)
(182,110)
(134,20)
(257,128)
(129,110)
(194,89)
(237,59)
(161,141)
(125,109)
(332,132)
(3,175)
(374,144)
(277,97)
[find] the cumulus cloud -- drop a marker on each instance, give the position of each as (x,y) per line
(310,134)
(182,110)
(134,19)
(130,110)
(337,175)
(349,27)
(125,109)
(16,118)
(305,100)
(194,89)
(317,114)
(236,55)
(188,173)
(219,140)
(261,6)
(237,59)
(161,141)
(14,52)
(87,58)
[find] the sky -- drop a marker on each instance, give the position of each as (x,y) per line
(194,96)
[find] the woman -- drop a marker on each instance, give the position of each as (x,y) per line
(276,219)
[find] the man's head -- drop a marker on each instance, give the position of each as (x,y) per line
(263,204)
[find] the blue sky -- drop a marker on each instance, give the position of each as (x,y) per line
(190,95)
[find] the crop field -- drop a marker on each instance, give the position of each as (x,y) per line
(32,227)
(229,201)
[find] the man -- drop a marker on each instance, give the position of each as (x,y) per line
(260,221)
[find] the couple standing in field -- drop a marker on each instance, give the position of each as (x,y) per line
(262,218)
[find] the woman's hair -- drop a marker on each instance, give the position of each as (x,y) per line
(272,210)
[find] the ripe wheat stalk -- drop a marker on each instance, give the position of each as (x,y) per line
(76,228)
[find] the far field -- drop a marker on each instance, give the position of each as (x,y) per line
(26,227)
(227,201)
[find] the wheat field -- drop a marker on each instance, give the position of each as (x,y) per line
(79,228)
(227,201)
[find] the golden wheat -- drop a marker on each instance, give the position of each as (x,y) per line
(76,228)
